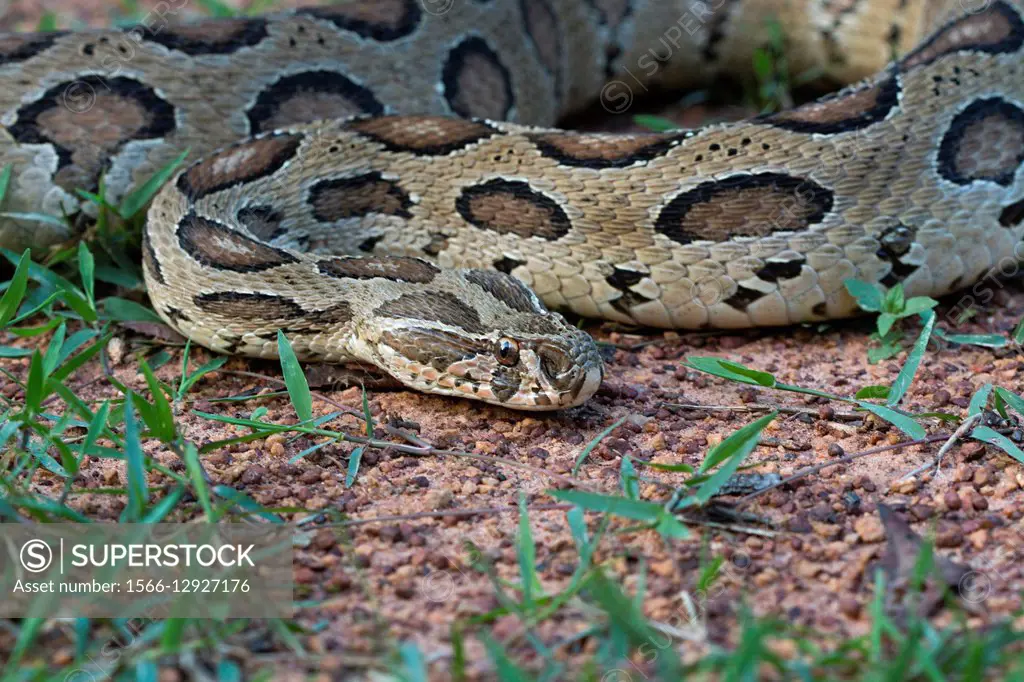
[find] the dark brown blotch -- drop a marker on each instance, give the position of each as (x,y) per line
(755,205)
(310,96)
(512,207)
(422,135)
(602,150)
(89,120)
(149,258)
(476,82)
(440,307)
(985,141)
(263,222)
(380,20)
(236,305)
(210,36)
(997,29)
(19,47)
(544,32)
(356,197)
(217,246)
(430,348)
(506,289)
(239,164)
(852,109)
(396,269)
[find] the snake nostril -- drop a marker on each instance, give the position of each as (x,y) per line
(553,362)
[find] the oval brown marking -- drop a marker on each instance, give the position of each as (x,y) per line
(89,120)
(422,135)
(218,246)
(19,47)
(476,83)
(1012,215)
(851,109)
(430,347)
(339,313)
(600,150)
(241,306)
(996,30)
(985,141)
(263,222)
(211,36)
(543,29)
(438,306)
(240,163)
(512,207)
(380,20)
(396,269)
(506,289)
(359,196)
(744,206)
(149,258)
(310,96)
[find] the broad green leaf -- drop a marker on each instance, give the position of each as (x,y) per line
(637,510)
(353,466)
(137,200)
(993,437)
(164,428)
(901,421)
(979,400)
(294,379)
(16,289)
(983,340)
(906,375)
(731,370)
(123,310)
(1011,399)
(658,124)
(868,296)
(87,270)
(873,393)
(732,451)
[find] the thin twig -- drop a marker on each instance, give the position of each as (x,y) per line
(842,460)
(783,409)
(967,425)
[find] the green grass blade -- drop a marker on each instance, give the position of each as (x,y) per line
(138,491)
(137,200)
(594,443)
(15,290)
(294,379)
(906,375)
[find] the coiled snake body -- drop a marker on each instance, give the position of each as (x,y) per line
(912,175)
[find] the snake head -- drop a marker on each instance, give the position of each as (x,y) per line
(484,335)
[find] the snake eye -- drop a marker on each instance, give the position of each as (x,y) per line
(507,351)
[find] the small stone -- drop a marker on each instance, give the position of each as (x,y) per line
(951,500)
(849,607)
(836,450)
(869,529)
(949,536)
(304,575)
(978,538)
